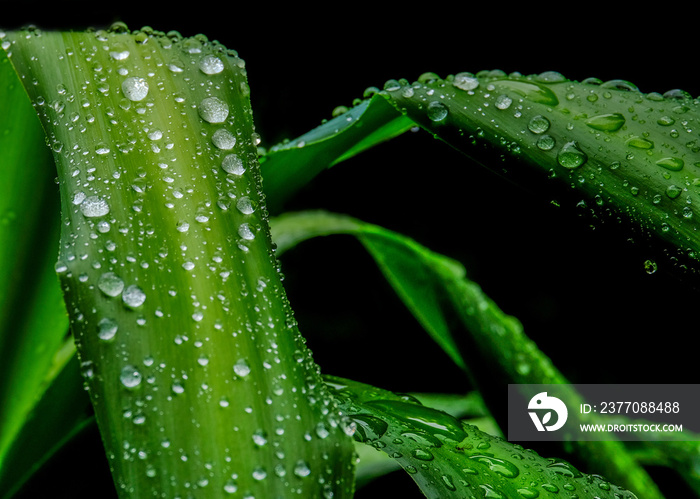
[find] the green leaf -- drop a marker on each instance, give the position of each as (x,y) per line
(288,167)
(490,345)
(448,458)
(199,378)
(623,153)
(34,346)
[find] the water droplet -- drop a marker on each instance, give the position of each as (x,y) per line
(466,81)
(260,438)
(546,142)
(94,206)
(529,90)
(241,368)
(570,156)
(246,232)
(640,143)
(223,139)
(130,377)
(135,88)
(213,110)
(110,284)
(119,52)
(107,328)
(233,164)
(497,465)
(245,205)
(606,122)
(538,124)
(503,102)
(673,164)
(133,296)
(369,428)
(423,455)
(211,65)
(301,469)
(437,111)
(673,191)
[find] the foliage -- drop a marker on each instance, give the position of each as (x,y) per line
(653,192)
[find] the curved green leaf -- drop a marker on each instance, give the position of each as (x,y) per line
(289,166)
(197,372)
(34,346)
(490,345)
(448,458)
(625,153)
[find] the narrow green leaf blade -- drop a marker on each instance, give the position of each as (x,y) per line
(448,458)
(34,346)
(490,344)
(288,167)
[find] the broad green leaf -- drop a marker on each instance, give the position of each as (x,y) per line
(448,458)
(199,378)
(289,166)
(622,153)
(489,344)
(34,345)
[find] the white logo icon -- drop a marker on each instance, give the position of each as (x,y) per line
(543,401)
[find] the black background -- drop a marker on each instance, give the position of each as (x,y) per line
(578,285)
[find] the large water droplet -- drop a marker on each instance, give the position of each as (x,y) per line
(133,296)
(571,156)
(437,111)
(233,164)
(241,368)
(465,81)
(606,122)
(538,124)
(223,139)
(94,206)
(301,469)
(211,65)
(135,88)
(110,284)
(245,205)
(213,110)
(497,465)
(673,164)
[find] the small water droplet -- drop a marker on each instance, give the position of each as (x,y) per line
(94,206)
(130,377)
(110,284)
(135,88)
(107,328)
(213,110)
